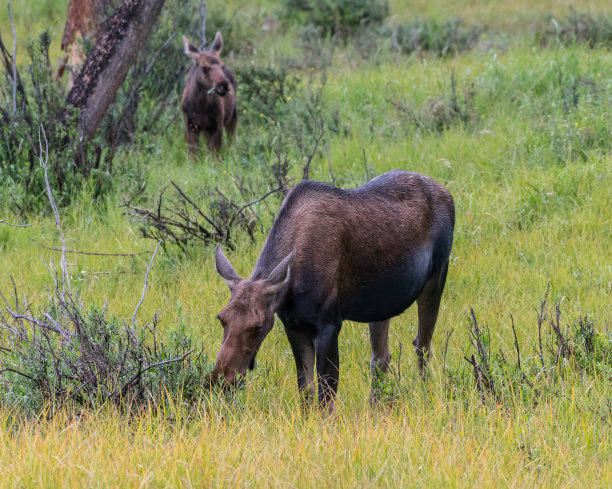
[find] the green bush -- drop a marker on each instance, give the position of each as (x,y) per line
(443,38)
(339,18)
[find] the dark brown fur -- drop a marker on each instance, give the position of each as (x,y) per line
(364,255)
(209,98)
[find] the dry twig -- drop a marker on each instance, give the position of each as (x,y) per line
(144,289)
(92,253)
(317,139)
(4,221)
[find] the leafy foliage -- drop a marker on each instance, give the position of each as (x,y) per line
(338,17)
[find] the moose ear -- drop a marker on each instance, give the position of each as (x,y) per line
(217,43)
(280,275)
(225,269)
(190,49)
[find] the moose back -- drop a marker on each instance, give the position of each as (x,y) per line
(364,254)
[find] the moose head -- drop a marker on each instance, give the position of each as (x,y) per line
(248,317)
(211,76)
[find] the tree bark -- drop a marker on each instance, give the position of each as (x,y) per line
(110,60)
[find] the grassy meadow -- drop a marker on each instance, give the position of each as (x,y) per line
(516,124)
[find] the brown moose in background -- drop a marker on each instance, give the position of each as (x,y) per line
(364,255)
(209,98)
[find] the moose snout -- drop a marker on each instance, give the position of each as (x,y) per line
(222,88)
(226,377)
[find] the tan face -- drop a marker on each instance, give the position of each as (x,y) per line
(247,318)
(209,71)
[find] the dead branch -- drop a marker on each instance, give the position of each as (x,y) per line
(17,372)
(481,371)
(365,164)
(236,10)
(91,253)
(317,139)
(331,173)
(253,202)
(203,16)
(4,221)
(43,164)
(518,358)
(448,335)
(8,6)
(141,370)
(144,289)
(541,319)
(516,344)
(198,210)
(65,334)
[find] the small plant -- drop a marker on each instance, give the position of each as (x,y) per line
(440,114)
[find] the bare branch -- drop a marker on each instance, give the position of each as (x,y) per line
(43,164)
(144,289)
(331,173)
(204,216)
(92,253)
(17,372)
(236,10)
(448,335)
(314,150)
(14,60)
(141,371)
(541,319)
(365,164)
(203,15)
(4,221)
(249,204)
(65,334)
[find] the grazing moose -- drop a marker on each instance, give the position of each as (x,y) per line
(364,254)
(209,98)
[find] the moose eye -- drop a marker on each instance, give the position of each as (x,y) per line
(256,329)
(205,70)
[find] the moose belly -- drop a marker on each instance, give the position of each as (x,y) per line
(385,295)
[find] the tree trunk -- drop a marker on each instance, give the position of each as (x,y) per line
(84,21)
(110,60)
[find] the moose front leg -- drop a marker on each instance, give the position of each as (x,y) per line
(191,136)
(215,140)
(302,346)
(328,365)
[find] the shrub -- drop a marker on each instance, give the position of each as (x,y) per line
(443,38)
(579,28)
(87,357)
(339,18)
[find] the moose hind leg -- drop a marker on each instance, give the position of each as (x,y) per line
(302,346)
(428,304)
(379,364)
